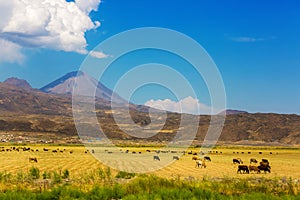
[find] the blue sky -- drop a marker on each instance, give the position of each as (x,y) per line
(255,44)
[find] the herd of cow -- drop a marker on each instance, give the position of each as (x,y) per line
(264,166)
(29,149)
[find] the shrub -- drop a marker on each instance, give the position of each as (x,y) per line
(46,175)
(125,175)
(66,174)
(34,173)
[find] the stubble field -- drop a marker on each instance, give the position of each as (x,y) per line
(284,162)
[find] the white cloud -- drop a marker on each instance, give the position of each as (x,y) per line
(88,5)
(53,24)
(10,52)
(99,54)
(187,105)
(250,39)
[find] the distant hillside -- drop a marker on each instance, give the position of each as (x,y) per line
(33,111)
(18,83)
(233,112)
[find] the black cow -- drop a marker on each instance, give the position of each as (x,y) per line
(175,158)
(237,161)
(265,161)
(253,160)
(156,158)
(207,158)
(243,168)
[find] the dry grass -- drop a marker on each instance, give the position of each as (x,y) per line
(284,162)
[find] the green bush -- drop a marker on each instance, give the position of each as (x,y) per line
(46,175)
(125,175)
(66,174)
(34,173)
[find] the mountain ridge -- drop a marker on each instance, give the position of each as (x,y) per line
(34,111)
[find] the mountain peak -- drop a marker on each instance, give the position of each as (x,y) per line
(83,83)
(233,112)
(18,83)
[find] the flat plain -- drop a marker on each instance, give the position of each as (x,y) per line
(78,160)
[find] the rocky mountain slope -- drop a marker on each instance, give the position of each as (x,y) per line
(34,111)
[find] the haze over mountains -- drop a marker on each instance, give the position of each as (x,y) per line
(49,110)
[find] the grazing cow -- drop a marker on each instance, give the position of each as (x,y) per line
(253,160)
(243,168)
(175,158)
(45,149)
(71,151)
(93,151)
(194,154)
(195,158)
(254,168)
(265,161)
(200,163)
(33,159)
(148,150)
(207,158)
(264,167)
(54,151)
(260,152)
(156,158)
(133,152)
(237,161)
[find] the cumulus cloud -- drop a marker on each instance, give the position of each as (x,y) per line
(53,24)
(10,52)
(188,105)
(99,54)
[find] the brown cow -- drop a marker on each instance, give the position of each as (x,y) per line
(264,166)
(195,158)
(33,159)
(254,168)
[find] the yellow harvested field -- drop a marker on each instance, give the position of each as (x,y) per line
(283,162)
